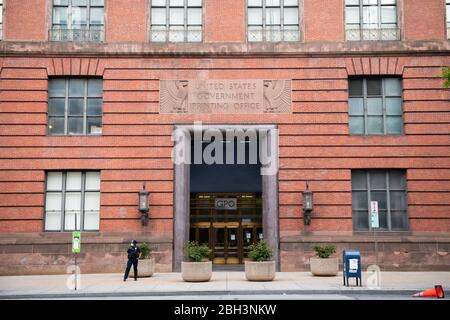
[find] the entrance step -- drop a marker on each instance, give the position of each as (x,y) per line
(228,267)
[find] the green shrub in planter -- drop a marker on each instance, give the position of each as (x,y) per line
(260,251)
(324,251)
(195,252)
(146,251)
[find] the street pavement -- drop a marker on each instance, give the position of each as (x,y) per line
(265,297)
(223,285)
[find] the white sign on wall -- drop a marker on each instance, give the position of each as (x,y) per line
(374,219)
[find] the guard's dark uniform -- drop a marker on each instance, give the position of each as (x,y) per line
(133,258)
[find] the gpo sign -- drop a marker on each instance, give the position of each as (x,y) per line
(225,203)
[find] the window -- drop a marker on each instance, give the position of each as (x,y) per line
(72,199)
(78,20)
(375,106)
(176,21)
(75,106)
(388,187)
(272,20)
(371,20)
(447,7)
(1,19)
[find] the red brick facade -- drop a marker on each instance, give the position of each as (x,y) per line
(135,145)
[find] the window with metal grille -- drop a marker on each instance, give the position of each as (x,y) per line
(388,188)
(272,20)
(447,9)
(371,20)
(176,21)
(78,20)
(75,106)
(72,201)
(375,106)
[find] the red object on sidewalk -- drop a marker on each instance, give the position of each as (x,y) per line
(436,292)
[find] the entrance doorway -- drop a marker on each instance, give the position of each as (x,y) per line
(227,231)
(185,172)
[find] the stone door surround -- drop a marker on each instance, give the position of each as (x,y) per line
(182,190)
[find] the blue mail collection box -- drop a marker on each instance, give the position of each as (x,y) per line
(352,266)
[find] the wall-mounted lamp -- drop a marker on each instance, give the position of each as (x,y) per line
(143,205)
(307,205)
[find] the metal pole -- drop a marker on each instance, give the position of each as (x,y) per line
(76,267)
(376,246)
(374,226)
(76,271)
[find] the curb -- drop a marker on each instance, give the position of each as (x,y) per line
(406,292)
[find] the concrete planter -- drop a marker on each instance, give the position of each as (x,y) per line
(146,268)
(196,271)
(324,267)
(260,270)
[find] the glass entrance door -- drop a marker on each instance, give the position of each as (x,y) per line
(225,243)
(218,245)
(228,233)
(251,233)
(232,252)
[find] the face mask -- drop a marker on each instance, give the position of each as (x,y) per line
(132,244)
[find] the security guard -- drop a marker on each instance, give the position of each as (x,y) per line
(133,258)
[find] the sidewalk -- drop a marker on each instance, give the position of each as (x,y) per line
(167,284)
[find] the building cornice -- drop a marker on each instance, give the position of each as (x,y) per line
(316,49)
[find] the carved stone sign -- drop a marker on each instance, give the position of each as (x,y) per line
(225,203)
(225,96)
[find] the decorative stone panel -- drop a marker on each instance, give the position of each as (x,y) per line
(225,96)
